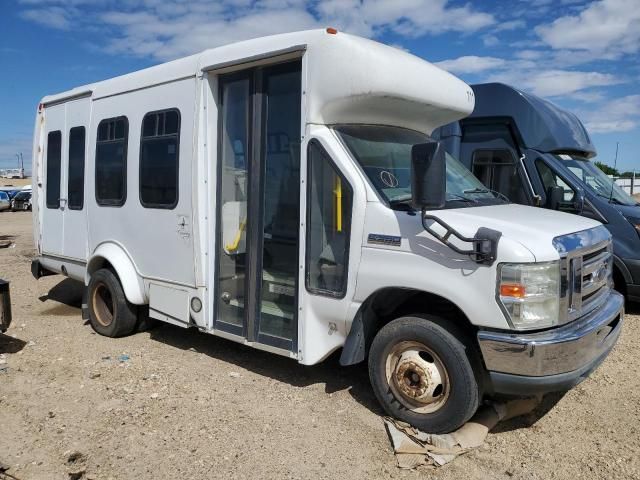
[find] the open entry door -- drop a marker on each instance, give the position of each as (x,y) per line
(258,204)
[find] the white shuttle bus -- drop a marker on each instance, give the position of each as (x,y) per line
(284,193)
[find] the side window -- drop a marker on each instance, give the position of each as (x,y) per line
(54,155)
(497,169)
(329,199)
(550,179)
(111,162)
(159,159)
(75,184)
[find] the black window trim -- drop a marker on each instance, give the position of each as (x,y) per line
(555,171)
(52,206)
(120,202)
(84,165)
(160,206)
(314,142)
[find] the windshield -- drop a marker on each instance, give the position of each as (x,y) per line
(384,153)
(597,181)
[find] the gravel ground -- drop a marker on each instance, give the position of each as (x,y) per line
(174,403)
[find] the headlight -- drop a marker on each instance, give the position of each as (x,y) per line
(635,223)
(530,294)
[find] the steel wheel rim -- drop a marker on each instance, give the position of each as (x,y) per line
(104,305)
(417,377)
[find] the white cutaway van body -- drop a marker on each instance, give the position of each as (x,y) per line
(261,191)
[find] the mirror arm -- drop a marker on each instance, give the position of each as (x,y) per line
(484,243)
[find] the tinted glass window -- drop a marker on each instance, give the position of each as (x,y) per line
(54,155)
(328,227)
(111,162)
(4,196)
(550,179)
(159,159)
(75,185)
(497,169)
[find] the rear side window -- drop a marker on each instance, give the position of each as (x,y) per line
(159,144)
(54,155)
(111,162)
(75,185)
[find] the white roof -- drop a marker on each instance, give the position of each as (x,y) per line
(348,79)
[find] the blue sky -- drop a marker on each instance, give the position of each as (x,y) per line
(582,55)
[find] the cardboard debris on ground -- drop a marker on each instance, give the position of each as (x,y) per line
(414,448)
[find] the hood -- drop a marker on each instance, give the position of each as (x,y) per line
(533,227)
(628,210)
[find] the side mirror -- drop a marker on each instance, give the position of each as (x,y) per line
(578,201)
(428,175)
(555,196)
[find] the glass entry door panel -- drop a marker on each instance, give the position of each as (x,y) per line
(281,203)
(259,204)
(232,241)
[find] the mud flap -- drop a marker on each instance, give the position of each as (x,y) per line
(5,306)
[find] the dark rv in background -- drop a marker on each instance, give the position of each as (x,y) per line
(535,153)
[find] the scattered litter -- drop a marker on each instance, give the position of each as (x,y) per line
(234,374)
(31,343)
(106,357)
(414,448)
(154,395)
(3,359)
(123,358)
(51,414)
(191,349)
(5,243)
(93,375)
(4,368)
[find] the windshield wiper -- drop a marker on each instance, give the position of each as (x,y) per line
(488,190)
(398,200)
(462,198)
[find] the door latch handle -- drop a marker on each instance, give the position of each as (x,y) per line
(62,202)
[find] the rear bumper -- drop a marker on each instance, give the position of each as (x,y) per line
(553,360)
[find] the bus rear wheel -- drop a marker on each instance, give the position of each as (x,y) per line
(421,374)
(110,313)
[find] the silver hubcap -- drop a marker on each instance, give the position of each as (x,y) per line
(417,377)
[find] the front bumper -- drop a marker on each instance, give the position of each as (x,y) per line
(553,360)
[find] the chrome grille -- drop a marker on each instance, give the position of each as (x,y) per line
(586,264)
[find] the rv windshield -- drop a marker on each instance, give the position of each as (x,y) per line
(384,153)
(596,180)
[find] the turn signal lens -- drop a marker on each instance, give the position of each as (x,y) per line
(332,30)
(512,290)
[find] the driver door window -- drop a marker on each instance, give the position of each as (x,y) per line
(330,199)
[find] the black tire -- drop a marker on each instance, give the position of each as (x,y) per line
(458,392)
(110,313)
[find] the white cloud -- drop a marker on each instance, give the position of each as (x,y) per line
(471,64)
(606,27)
(554,82)
(618,115)
(165,30)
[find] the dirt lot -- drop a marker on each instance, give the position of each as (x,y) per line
(174,404)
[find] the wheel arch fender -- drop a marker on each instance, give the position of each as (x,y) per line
(388,303)
(113,255)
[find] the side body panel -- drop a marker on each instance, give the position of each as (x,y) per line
(158,241)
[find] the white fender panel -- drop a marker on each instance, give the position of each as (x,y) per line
(131,282)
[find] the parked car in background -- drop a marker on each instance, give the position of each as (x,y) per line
(22,201)
(10,190)
(5,203)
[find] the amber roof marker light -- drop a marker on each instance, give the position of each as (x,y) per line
(332,31)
